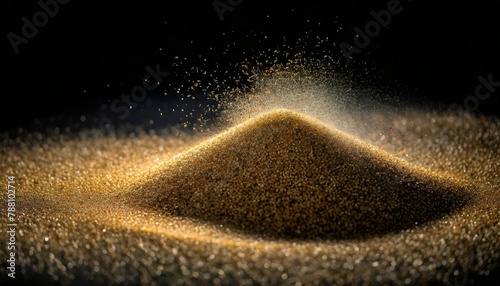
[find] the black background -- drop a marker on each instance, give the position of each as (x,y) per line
(90,52)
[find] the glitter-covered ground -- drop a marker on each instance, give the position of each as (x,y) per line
(83,218)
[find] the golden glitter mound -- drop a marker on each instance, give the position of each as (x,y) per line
(286,175)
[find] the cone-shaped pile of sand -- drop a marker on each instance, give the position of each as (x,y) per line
(285,175)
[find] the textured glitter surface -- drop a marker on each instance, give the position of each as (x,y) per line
(279,199)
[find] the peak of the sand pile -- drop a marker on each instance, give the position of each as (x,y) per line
(285,175)
(284,114)
(279,115)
